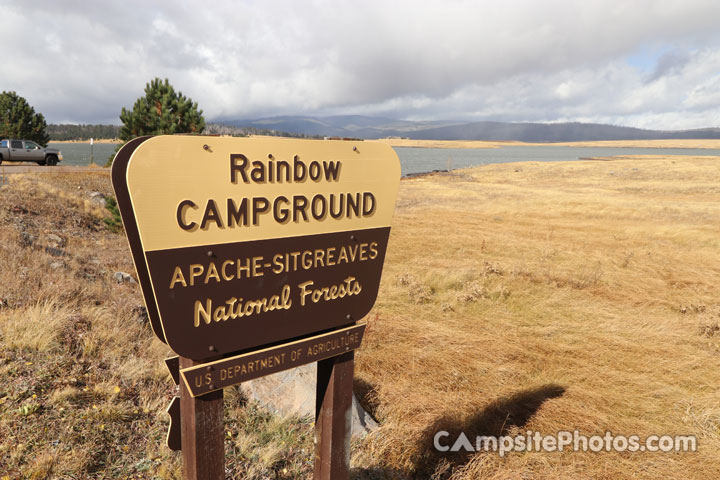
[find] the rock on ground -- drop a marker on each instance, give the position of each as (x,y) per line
(292,392)
(97,198)
(122,277)
(54,241)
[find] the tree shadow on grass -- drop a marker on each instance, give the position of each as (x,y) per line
(496,419)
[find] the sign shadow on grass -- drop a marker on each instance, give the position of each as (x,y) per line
(496,419)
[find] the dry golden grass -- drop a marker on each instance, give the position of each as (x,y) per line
(73,396)
(533,296)
(83,388)
(547,297)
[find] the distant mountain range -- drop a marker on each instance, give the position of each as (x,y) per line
(377,127)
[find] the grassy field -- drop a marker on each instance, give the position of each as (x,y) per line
(526,296)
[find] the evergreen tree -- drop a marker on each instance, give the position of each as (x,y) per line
(19,120)
(161,111)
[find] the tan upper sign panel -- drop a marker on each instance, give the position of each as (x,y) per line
(189,191)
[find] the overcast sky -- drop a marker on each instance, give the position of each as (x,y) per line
(643,63)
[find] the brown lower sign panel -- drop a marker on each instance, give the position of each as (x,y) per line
(223,298)
(208,377)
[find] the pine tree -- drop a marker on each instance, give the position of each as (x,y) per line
(161,111)
(19,120)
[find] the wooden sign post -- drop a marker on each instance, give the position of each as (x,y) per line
(203,448)
(333,417)
(254,256)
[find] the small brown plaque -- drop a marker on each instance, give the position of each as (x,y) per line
(208,377)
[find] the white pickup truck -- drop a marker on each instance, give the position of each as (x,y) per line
(27,151)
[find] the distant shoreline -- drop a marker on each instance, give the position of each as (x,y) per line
(469,144)
(676,143)
(702,143)
(97,140)
(402,142)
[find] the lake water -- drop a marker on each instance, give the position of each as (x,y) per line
(79,153)
(420,160)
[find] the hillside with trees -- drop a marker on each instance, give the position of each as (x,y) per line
(238,131)
(62,132)
(84,132)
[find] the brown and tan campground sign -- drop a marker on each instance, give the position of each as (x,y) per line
(247,242)
(256,255)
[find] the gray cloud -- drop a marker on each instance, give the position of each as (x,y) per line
(669,63)
(515,60)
